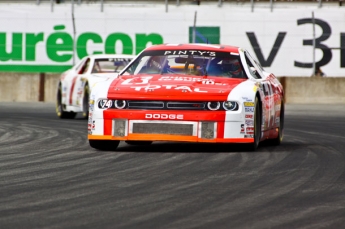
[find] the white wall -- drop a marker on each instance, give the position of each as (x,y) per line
(235,21)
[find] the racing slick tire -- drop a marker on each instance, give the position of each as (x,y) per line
(139,143)
(59,107)
(86,98)
(104,144)
(279,139)
(257,126)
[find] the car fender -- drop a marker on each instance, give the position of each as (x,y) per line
(236,121)
(64,91)
(93,79)
(95,120)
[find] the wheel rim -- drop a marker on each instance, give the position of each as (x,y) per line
(58,102)
(86,102)
(281,125)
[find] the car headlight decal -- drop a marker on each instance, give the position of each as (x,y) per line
(120,104)
(171,105)
(105,103)
(213,106)
(230,106)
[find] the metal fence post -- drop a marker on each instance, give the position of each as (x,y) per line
(41,87)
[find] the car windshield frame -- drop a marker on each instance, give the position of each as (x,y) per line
(110,65)
(187,62)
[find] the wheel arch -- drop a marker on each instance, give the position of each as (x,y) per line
(85,99)
(258,95)
(60,90)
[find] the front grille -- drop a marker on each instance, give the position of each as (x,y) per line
(186,129)
(145,104)
(166,105)
(186,105)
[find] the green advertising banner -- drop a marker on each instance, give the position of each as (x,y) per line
(205,34)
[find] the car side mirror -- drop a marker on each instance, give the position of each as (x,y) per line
(252,70)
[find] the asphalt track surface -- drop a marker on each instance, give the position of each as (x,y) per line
(51,178)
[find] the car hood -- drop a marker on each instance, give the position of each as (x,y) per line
(105,75)
(172,87)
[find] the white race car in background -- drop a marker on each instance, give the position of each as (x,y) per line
(74,86)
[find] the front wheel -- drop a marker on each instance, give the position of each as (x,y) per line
(60,112)
(257,126)
(86,97)
(104,144)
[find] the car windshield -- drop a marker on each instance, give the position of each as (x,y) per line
(187,62)
(108,65)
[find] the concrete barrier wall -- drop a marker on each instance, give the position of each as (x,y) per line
(30,87)
(314,90)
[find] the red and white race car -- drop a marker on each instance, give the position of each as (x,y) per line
(191,93)
(74,85)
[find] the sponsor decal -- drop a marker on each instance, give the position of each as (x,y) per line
(120,60)
(164,116)
(211,34)
(249,122)
(247,99)
(249,116)
(189,79)
(91,125)
(104,103)
(190,52)
(249,136)
(59,47)
(167,87)
(137,80)
(142,83)
(57,44)
(248,104)
(91,106)
(249,109)
(242,129)
(250,130)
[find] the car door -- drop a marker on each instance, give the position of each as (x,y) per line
(267,96)
(78,83)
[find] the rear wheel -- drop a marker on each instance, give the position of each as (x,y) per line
(59,107)
(279,138)
(139,143)
(104,144)
(85,113)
